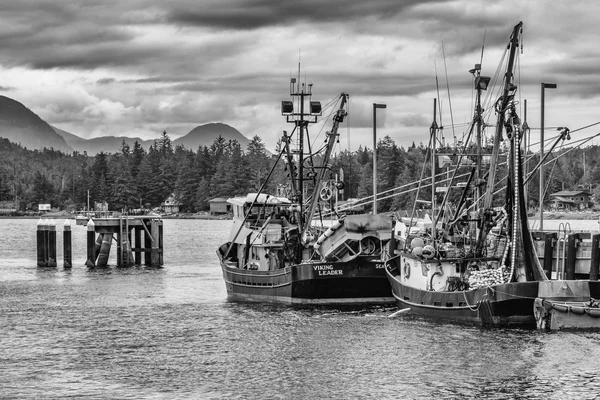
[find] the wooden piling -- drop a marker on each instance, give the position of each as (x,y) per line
(46,224)
(595,261)
(160,243)
(51,261)
(104,249)
(67,253)
(572,241)
(91,244)
(41,249)
(138,244)
(119,243)
(147,244)
(97,246)
(549,241)
(155,254)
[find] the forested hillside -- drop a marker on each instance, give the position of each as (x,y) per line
(134,176)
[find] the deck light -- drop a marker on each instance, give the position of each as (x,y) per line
(482,82)
(287,107)
(315,108)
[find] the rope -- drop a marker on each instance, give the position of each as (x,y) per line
(467,302)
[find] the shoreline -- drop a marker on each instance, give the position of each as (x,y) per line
(64,215)
(548,215)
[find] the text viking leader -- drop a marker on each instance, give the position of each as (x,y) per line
(327,269)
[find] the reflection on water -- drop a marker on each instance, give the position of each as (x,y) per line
(170,333)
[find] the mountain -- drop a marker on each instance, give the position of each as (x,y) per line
(107,144)
(21,125)
(205,135)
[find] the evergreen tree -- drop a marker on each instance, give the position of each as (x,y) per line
(43,190)
(365,184)
(203,195)
(258,162)
(122,195)
(187,184)
(137,155)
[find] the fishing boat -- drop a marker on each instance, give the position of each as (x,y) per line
(476,262)
(282,247)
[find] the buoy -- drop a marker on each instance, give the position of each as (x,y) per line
(417,251)
(428,252)
(417,242)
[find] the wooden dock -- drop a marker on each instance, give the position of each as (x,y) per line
(135,235)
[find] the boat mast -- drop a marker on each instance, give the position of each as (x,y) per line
(478,120)
(331,140)
(501,107)
(301,119)
(433,132)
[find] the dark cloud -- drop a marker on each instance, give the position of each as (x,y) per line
(106,81)
(254,14)
(182,62)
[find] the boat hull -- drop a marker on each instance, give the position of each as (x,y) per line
(508,304)
(327,283)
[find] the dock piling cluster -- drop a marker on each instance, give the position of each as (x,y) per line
(147,233)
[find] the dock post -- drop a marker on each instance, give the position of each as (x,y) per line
(138,245)
(155,255)
(160,243)
(46,225)
(572,241)
(91,244)
(119,243)
(104,250)
(549,241)
(97,246)
(595,261)
(51,244)
(67,252)
(147,245)
(41,250)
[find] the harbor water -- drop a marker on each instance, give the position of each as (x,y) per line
(170,333)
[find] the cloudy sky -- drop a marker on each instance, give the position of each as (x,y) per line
(138,67)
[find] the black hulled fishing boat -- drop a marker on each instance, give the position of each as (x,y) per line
(282,249)
(475,262)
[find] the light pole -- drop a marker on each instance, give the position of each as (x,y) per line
(541,200)
(375,107)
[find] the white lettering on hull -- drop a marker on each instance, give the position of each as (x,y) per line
(327,270)
(333,272)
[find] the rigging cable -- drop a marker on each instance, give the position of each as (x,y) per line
(449,99)
(439,101)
